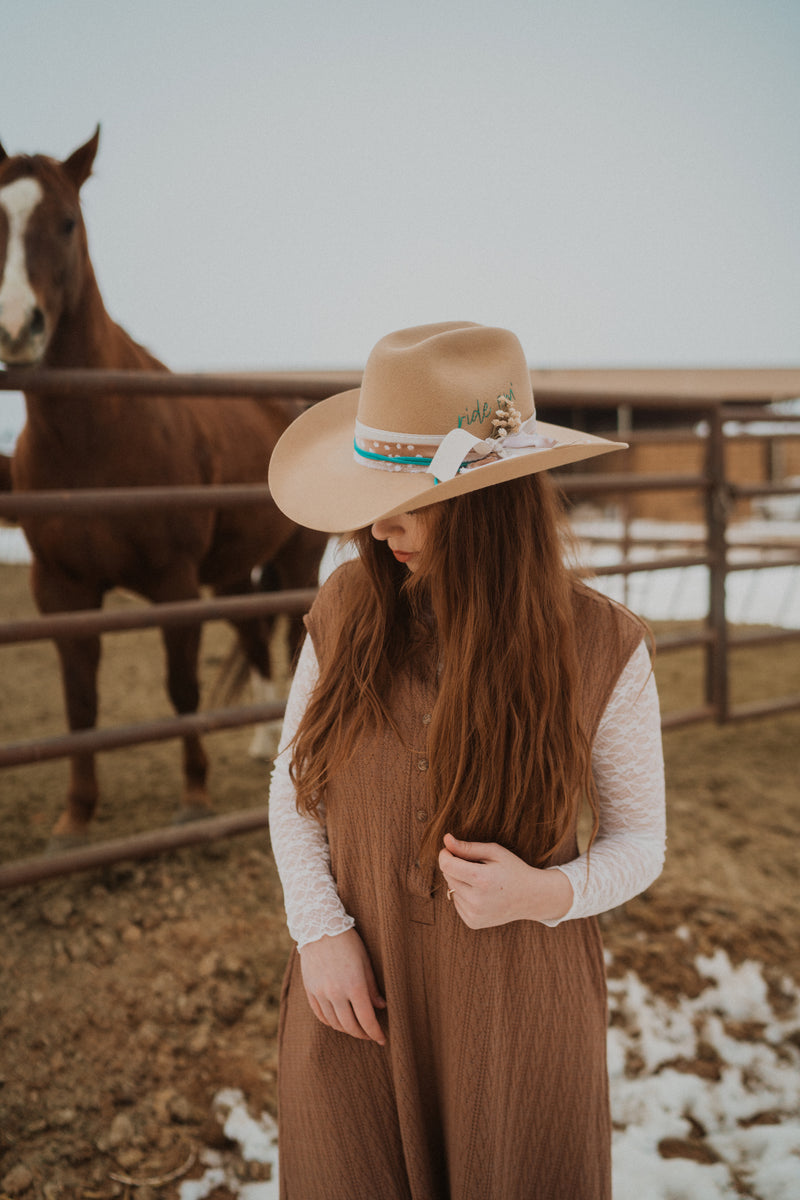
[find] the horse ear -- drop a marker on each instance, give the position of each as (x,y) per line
(79,164)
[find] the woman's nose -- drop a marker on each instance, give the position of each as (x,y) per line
(381,530)
(384,529)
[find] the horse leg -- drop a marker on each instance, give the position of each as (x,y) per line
(296,565)
(182,648)
(255,635)
(265,689)
(79,660)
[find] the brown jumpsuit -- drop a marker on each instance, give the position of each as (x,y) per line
(493,1083)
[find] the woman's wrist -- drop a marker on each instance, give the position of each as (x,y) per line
(552,895)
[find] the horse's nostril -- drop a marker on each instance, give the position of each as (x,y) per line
(37,321)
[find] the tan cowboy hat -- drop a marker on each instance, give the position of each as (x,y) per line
(442,410)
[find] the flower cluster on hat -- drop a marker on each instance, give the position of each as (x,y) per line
(509,418)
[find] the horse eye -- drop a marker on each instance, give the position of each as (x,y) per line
(68,225)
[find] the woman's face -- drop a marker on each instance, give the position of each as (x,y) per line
(405,536)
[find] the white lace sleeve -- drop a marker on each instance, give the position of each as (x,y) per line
(628,768)
(299,842)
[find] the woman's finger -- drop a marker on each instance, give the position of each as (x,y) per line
(456,870)
(354,1016)
(347,1021)
(341,987)
(331,1017)
(317,1009)
(477,852)
(367,1019)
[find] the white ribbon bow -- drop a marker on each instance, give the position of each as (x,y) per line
(458,443)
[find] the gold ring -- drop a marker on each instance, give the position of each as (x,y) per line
(449,893)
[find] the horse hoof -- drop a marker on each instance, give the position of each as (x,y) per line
(62,843)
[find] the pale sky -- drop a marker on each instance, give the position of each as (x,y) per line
(278,185)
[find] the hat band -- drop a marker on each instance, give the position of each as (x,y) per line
(443,456)
(385,450)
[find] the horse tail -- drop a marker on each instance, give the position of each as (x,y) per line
(234,672)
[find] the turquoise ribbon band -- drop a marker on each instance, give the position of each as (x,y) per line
(418,461)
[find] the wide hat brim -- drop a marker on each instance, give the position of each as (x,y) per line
(315,479)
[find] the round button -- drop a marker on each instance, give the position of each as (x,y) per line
(421,814)
(422,764)
(426,720)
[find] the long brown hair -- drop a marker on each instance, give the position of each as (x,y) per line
(490,605)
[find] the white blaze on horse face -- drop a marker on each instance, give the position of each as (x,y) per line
(17,298)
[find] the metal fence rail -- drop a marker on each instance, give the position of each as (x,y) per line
(715,639)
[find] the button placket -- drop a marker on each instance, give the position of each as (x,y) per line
(422,766)
(420,879)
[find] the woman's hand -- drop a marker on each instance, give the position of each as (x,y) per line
(491,886)
(340,985)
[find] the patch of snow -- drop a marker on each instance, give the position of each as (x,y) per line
(13,547)
(257,1139)
(749,1117)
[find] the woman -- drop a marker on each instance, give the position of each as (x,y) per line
(460,694)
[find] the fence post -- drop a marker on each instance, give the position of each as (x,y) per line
(627,508)
(717,503)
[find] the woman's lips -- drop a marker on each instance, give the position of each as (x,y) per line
(403,555)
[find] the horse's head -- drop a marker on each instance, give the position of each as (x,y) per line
(43,252)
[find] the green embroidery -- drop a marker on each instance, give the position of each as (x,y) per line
(478,414)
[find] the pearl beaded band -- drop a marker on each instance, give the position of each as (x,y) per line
(387,451)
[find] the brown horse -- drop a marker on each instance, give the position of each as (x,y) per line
(52,314)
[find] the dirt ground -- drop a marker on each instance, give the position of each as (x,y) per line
(129,995)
